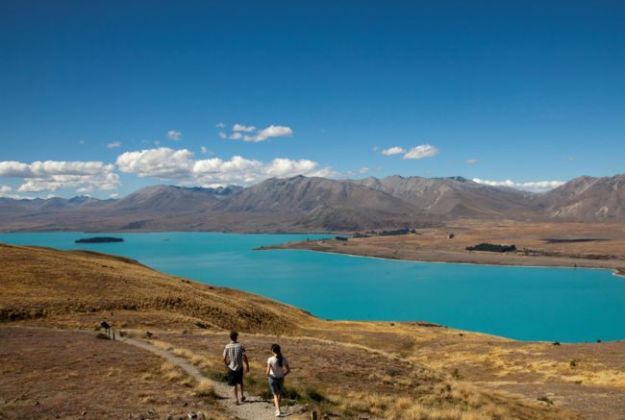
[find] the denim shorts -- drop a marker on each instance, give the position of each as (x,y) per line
(276,385)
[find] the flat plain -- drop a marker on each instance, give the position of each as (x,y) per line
(563,244)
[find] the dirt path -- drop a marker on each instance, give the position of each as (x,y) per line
(255,408)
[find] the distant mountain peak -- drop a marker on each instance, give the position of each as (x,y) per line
(316,203)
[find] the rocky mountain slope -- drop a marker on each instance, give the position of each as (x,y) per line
(585,198)
(318,204)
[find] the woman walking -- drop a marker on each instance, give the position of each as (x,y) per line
(277,369)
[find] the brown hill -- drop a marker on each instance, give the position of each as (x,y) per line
(42,282)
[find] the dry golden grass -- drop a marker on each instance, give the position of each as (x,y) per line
(41,282)
(47,374)
(432,244)
(171,372)
(205,389)
(400,370)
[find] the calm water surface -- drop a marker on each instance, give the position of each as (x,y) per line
(569,305)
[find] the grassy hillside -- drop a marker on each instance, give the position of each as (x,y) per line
(41,282)
(346,369)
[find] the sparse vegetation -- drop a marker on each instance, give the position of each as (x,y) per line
(404,370)
(488,247)
(205,389)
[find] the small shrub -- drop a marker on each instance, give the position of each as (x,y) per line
(102,336)
(314,395)
(205,389)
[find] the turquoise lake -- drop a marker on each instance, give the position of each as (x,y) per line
(568,305)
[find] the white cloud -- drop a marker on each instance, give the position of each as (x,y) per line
(5,190)
(395,150)
(114,195)
(471,161)
(533,186)
(271,131)
(244,128)
(180,165)
(417,152)
(52,175)
(114,145)
(421,151)
(205,150)
(249,133)
(375,148)
(160,163)
(220,125)
(14,169)
(363,170)
(174,135)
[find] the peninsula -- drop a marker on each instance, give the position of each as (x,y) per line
(562,244)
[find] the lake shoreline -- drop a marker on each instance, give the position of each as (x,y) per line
(452,257)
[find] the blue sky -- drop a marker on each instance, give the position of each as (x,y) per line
(524,91)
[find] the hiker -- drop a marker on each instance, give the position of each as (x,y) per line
(234,357)
(277,369)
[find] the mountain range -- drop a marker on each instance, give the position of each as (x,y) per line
(317,204)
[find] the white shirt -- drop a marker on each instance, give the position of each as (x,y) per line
(234,352)
(275,370)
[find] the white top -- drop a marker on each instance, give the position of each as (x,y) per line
(275,370)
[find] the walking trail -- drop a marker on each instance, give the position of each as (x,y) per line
(254,408)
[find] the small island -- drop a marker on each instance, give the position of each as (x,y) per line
(98,240)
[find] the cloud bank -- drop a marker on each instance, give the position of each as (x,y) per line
(532,186)
(180,165)
(53,175)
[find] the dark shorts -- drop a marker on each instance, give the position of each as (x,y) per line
(235,377)
(276,385)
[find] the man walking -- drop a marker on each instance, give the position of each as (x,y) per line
(234,357)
